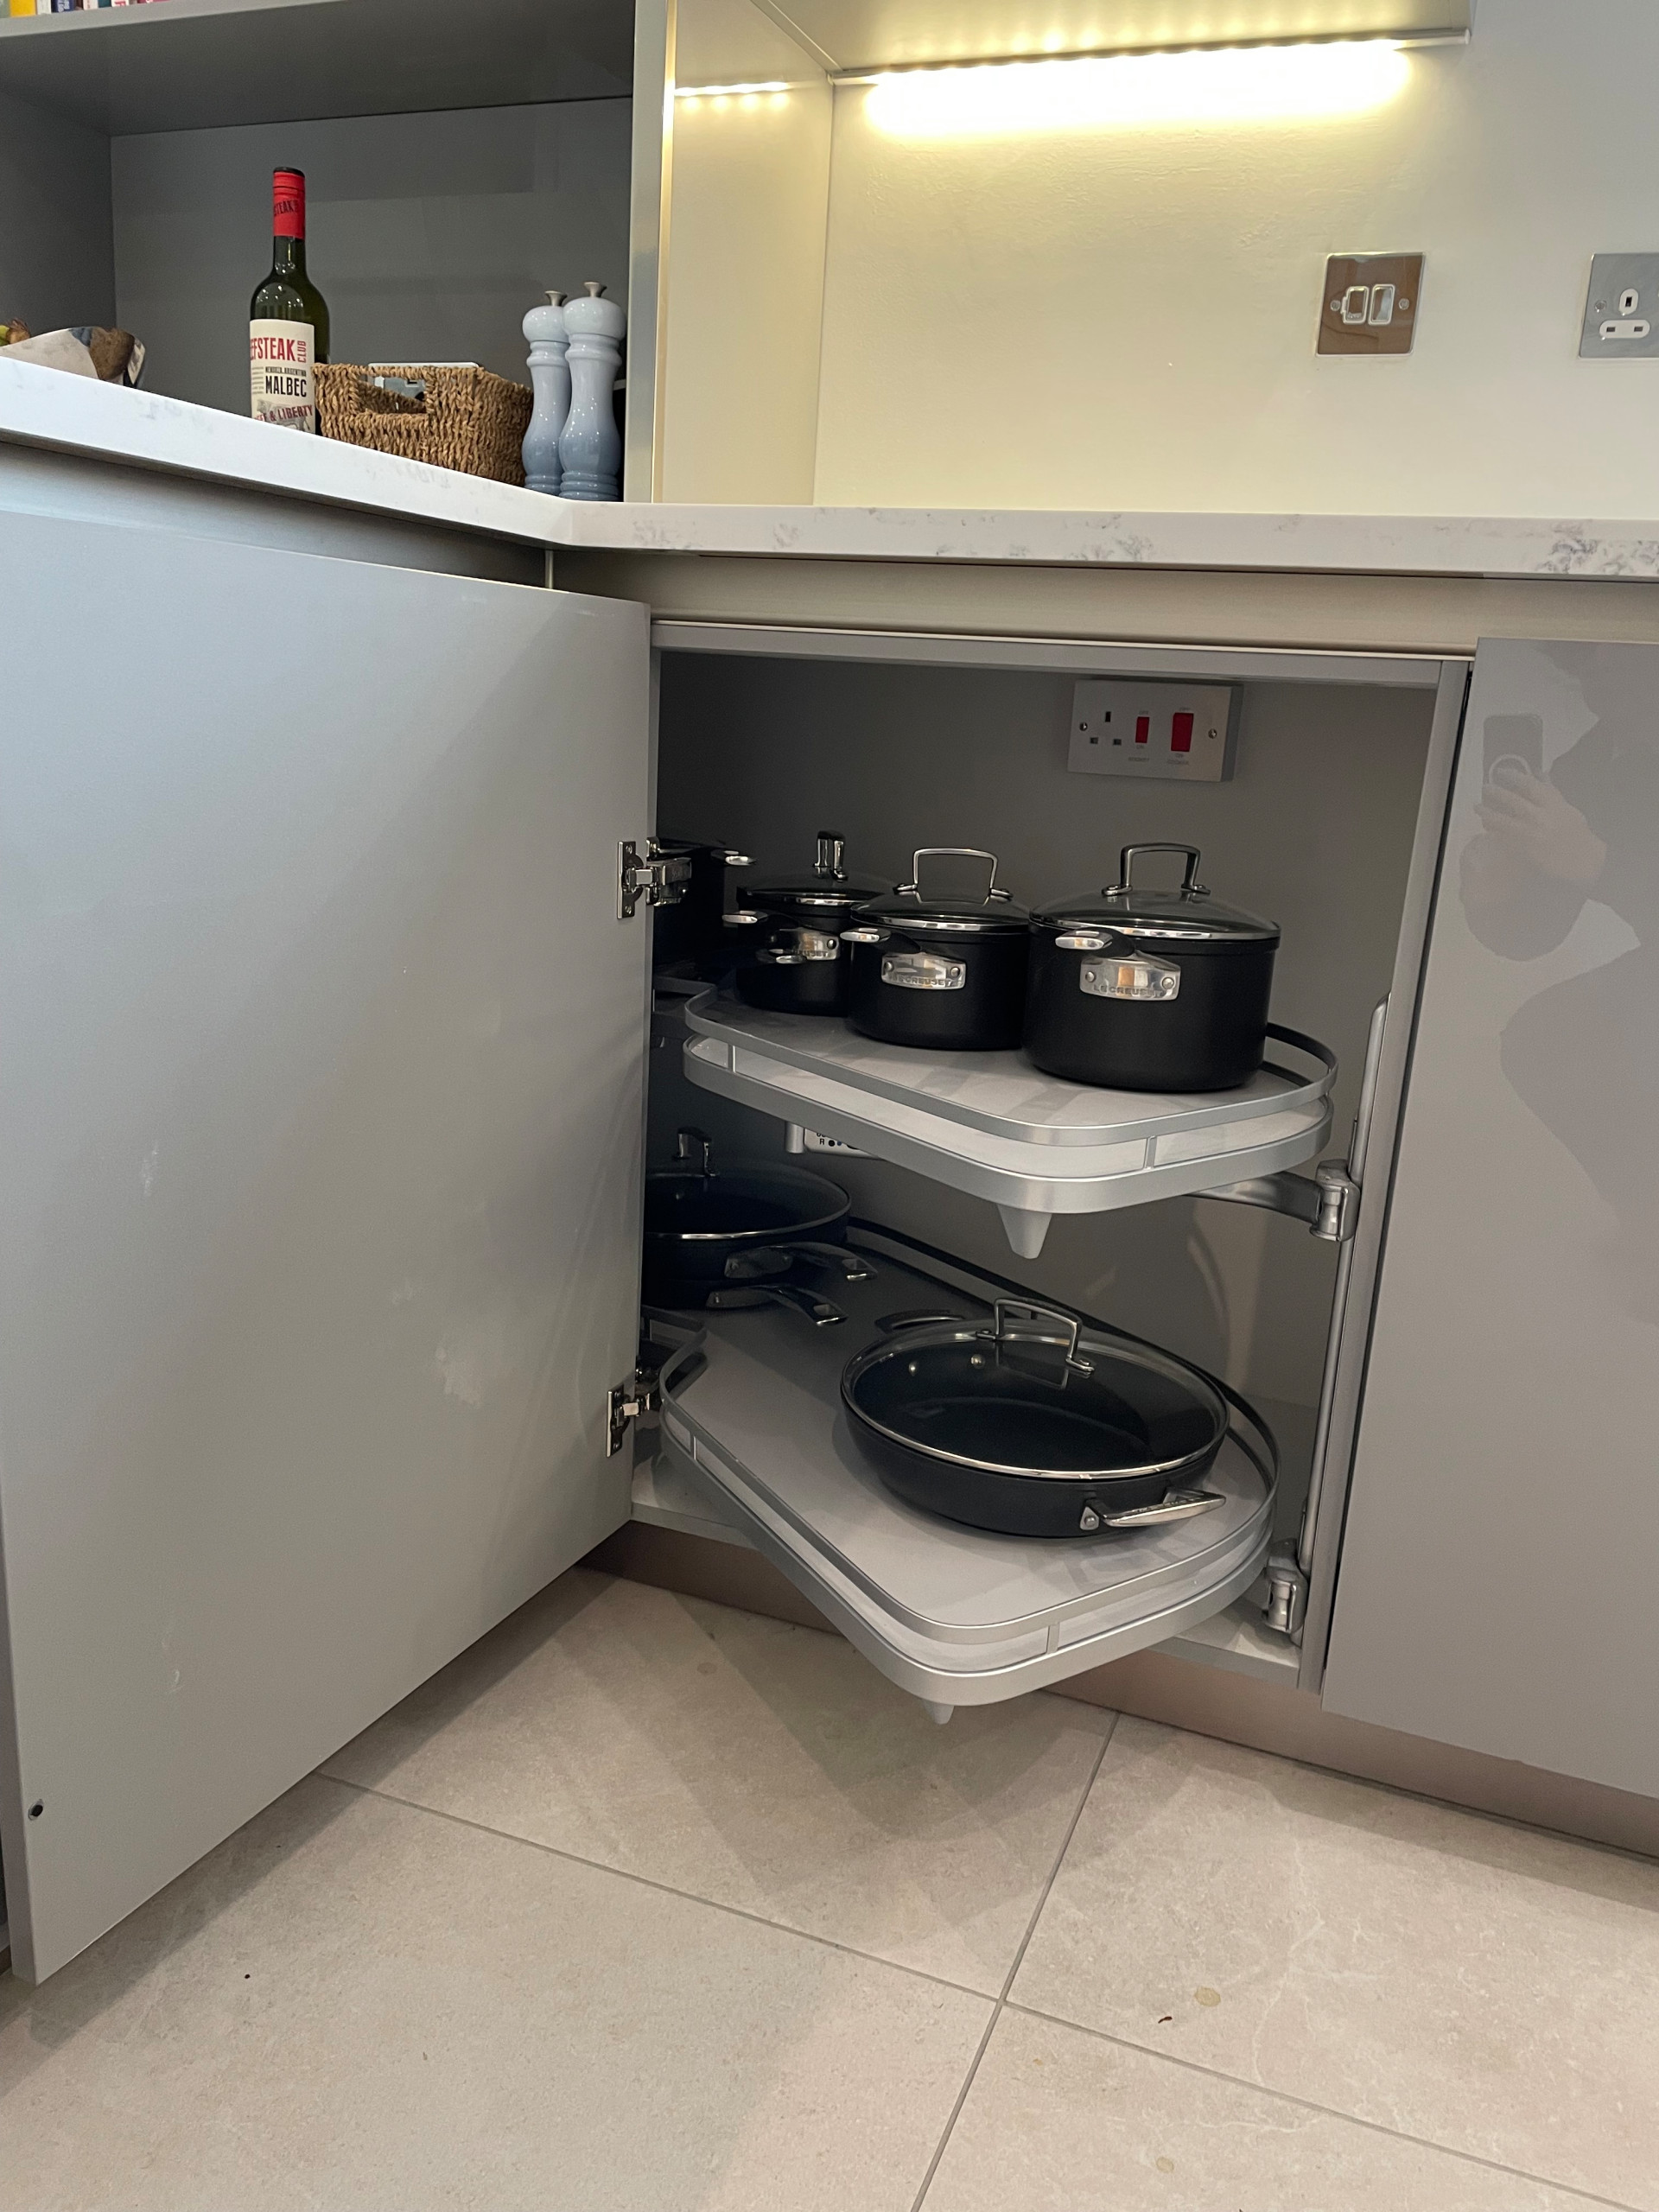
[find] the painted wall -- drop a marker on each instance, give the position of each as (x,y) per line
(431,235)
(56,264)
(1125,318)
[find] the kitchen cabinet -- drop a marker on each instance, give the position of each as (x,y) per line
(320,1173)
(1505,1516)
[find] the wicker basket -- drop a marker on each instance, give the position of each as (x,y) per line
(469,419)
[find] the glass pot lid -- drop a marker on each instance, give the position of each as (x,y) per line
(828,888)
(991,912)
(1187,912)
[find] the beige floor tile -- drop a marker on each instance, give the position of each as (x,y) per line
(752,1763)
(1475,1984)
(354,2004)
(1058,2121)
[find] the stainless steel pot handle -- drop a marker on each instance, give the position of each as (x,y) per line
(694,1149)
(832,855)
(1190,888)
(819,1311)
(1175,1505)
(913,889)
(1007,1311)
(851,1266)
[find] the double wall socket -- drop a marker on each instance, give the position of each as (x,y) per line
(1186,731)
(1621,315)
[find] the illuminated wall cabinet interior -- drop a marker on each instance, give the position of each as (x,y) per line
(895,251)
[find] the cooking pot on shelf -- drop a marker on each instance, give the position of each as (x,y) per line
(1136,989)
(688,931)
(788,933)
(1031,1426)
(942,972)
(714,1233)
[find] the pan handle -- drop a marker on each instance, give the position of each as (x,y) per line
(913,889)
(916,1316)
(1175,1505)
(693,1150)
(820,1312)
(853,1266)
(1009,1311)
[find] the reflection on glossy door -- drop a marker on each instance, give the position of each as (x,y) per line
(1496,1581)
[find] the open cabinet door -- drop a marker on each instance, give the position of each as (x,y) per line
(320,1100)
(1497,1583)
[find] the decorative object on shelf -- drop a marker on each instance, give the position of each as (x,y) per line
(85,350)
(549,378)
(1136,989)
(287,318)
(466,419)
(788,929)
(590,445)
(946,972)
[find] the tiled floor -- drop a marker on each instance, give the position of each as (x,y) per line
(649,1906)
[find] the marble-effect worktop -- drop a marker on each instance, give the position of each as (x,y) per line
(45,407)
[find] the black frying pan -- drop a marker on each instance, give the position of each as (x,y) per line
(711,1230)
(1026,1425)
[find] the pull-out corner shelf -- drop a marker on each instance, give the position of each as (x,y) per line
(753,1437)
(993,1125)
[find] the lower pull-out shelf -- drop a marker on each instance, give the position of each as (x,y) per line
(992,1124)
(752,1420)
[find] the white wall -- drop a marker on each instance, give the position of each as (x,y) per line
(1126,319)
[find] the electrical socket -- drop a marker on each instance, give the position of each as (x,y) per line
(1621,314)
(1184,732)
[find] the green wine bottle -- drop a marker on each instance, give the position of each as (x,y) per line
(288,320)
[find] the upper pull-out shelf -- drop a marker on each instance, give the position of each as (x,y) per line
(993,1125)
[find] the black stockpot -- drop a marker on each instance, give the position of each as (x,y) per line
(1150,990)
(1031,1426)
(689,933)
(945,973)
(787,932)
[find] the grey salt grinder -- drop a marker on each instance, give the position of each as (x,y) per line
(549,377)
(590,445)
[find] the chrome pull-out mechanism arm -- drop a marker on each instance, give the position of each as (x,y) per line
(1327,1200)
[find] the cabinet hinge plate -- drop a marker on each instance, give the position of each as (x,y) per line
(1286,1600)
(636,1396)
(655,878)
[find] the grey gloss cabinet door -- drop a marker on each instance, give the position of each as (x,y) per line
(321,1065)
(1497,1583)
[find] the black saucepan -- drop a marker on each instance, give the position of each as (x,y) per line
(787,933)
(940,971)
(1140,990)
(743,1227)
(689,933)
(1030,1426)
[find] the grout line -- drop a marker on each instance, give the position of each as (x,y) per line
(1308,2104)
(997,2010)
(664,1889)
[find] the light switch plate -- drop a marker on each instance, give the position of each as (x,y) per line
(1369,303)
(1621,315)
(1182,732)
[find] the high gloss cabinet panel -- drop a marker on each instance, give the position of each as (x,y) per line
(1497,1582)
(320,1106)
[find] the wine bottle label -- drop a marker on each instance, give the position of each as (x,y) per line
(279,359)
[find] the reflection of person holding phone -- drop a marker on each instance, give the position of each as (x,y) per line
(1583,1054)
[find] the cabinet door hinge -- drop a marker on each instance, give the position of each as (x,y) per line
(1286,1600)
(657,878)
(630,1400)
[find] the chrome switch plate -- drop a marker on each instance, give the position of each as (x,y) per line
(1621,313)
(1369,303)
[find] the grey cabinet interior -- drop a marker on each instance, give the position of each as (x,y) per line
(1496,1564)
(318,1162)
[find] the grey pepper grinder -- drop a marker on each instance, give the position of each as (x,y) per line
(590,445)
(549,377)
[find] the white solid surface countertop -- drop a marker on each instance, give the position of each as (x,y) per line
(44,407)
